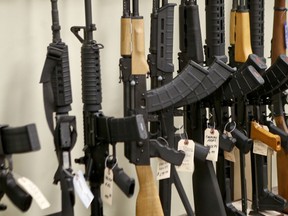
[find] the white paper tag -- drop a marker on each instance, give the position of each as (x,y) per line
(82,189)
(107,194)
(34,191)
(211,139)
(260,148)
(230,156)
(188,146)
(163,169)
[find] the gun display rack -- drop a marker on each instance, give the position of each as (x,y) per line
(229,92)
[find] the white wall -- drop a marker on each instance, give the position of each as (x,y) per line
(25,34)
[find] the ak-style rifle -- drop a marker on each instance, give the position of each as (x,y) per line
(161,68)
(137,99)
(15,140)
(57,99)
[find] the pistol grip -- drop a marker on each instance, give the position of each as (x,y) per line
(148,201)
(139,63)
(125,44)
(242,40)
(259,133)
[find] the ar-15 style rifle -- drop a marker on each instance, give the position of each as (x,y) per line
(100,130)
(58,98)
(15,140)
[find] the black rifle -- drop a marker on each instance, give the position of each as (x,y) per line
(58,98)
(191,49)
(15,140)
(161,68)
(100,130)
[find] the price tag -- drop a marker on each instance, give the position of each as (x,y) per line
(188,146)
(260,148)
(163,169)
(34,191)
(108,186)
(82,189)
(211,139)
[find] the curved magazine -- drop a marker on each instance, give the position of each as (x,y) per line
(173,92)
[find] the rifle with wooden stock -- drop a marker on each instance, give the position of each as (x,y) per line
(137,99)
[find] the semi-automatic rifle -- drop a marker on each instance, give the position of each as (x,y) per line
(57,99)
(101,130)
(15,140)
(191,49)
(138,100)
(161,68)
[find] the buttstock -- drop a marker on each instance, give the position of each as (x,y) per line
(259,133)
(148,201)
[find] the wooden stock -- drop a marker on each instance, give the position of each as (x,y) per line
(125,43)
(242,39)
(139,62)
(148,202)
(259,133)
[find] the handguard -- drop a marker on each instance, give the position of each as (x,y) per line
(259,133)
(181,86)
